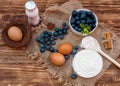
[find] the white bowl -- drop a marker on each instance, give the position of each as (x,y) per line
(87,63)
(78,33)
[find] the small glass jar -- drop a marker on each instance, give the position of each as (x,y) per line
(32,12)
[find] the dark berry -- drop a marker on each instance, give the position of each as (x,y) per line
(50,33)
(48,47)
(61,36)
(67,57)
(41,40)
(56,29)
(74,13)
(77,18)
(42,49)
(74,51)
(55,34)
(77,22)
(42,35)
(66,27)
(46,39)
(42,46)
(53,42)
(55,50)
(48,43)
(51,39)
(64,31)
(76,28)
(52,49)
(89,13)
(45,32)
(64,24)
(55,38)
(79,30)
(76,47)
(46,35)
(73,76)
(38,39)
(72,21)
(73,25)
(83,21)
(60,32)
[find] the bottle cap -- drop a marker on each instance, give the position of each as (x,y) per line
(30,5)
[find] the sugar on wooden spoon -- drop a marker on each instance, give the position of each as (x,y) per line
(92,44)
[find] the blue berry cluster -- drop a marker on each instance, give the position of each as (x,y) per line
(82,17)
(47,38)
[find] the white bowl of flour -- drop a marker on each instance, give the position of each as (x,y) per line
(87,63)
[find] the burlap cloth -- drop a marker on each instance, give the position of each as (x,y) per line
(56,15)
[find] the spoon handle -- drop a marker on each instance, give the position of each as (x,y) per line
(110,58)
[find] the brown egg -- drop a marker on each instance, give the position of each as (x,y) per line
(15,33)
(65,48)
(57,58)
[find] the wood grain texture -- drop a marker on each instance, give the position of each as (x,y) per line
(19,70)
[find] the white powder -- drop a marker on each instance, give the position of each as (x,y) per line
(87,42)
(87,63)
(30,5)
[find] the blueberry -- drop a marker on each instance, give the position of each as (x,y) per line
(64,24)
(42,46)
(42,41)
(74,51)
(46,39)
(76,28)
(50,33)
(48,43)
(77,22)
(83,21)
(67,57)
(45,32)
(76,47)
(64,31)
(77,18)
(56,29)
(89,13)
(48,47)
(46,35)
(93,26)
(38,39)
(73,76)
(51,39)
(82,16)
(73,25)
(74,12)
(72,21)
(42,35)
(92,17)
(53,42)
(55,50)
(55,34)
(42,49)
(86,25)
(52,49)
(60,33)
(55,38)
(94,21)
(66,27)
(79,30)
(61,36)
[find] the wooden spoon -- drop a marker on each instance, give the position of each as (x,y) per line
(96,47)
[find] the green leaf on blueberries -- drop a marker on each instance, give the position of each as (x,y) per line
(85,29)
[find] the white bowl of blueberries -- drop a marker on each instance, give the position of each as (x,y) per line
(83,22)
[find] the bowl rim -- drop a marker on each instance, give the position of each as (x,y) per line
(79,33)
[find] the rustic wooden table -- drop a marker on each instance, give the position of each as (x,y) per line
(17,70)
